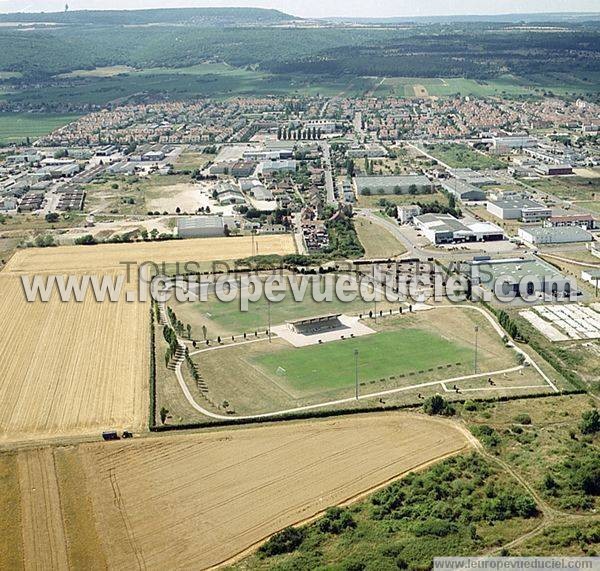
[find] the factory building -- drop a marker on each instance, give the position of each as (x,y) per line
(200,227)
(554,235)
(519,208)
(446,229)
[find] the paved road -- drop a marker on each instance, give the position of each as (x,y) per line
(329,186)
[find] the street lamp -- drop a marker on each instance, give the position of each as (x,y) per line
(269,313)
(476,332)
(356,371)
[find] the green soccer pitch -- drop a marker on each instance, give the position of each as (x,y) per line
(385,354)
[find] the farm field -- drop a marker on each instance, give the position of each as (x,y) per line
(17,127)
(70,368)
(112,256)
(197,82)
(503,85)
(80,368)
(377,241)
(194,500)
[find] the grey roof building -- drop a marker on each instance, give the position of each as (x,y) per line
(393,184)
(555,234)
(519,208)
(200,227)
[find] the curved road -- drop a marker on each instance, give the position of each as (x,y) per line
(189,397)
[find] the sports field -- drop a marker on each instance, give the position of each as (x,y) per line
(226,318)
(388,353)
(418,348)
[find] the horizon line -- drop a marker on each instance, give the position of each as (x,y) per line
(416,16)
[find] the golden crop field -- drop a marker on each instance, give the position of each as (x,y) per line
(70,368)
(112,256)
(195,500)
(73,368)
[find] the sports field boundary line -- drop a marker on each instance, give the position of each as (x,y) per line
(274,414)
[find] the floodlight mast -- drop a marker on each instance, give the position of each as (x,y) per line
(269,313)
(476,344)
(356,372)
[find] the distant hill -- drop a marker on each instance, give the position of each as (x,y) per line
(546,17)
(193,16)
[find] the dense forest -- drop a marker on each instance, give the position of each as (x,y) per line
(279,56)
(422,52)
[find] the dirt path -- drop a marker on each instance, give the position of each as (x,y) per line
(44,540)
(549,515)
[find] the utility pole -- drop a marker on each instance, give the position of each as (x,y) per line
(269,312)
(356,372)
(476,332)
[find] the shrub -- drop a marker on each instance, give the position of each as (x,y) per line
(487,435)
(434,526)
(336,520)
(438,405)
(523,418)
(286,541)
(590,422)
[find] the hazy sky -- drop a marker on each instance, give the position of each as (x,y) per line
(320,8)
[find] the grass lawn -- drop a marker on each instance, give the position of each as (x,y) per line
(16,127)
(593,206)
(226,318)
(570,187)
(461,156)
(377,241)
(381,355)
(191,160)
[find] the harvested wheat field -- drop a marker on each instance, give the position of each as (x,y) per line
(76,368)
(197,500)
(70,368)
(112,256)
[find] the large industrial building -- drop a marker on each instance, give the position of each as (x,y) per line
(554,235)
(518,277)
(514,142)
(393,184)
(519,208)
(446,229)
(201,227)
(464,191)
(586,221)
